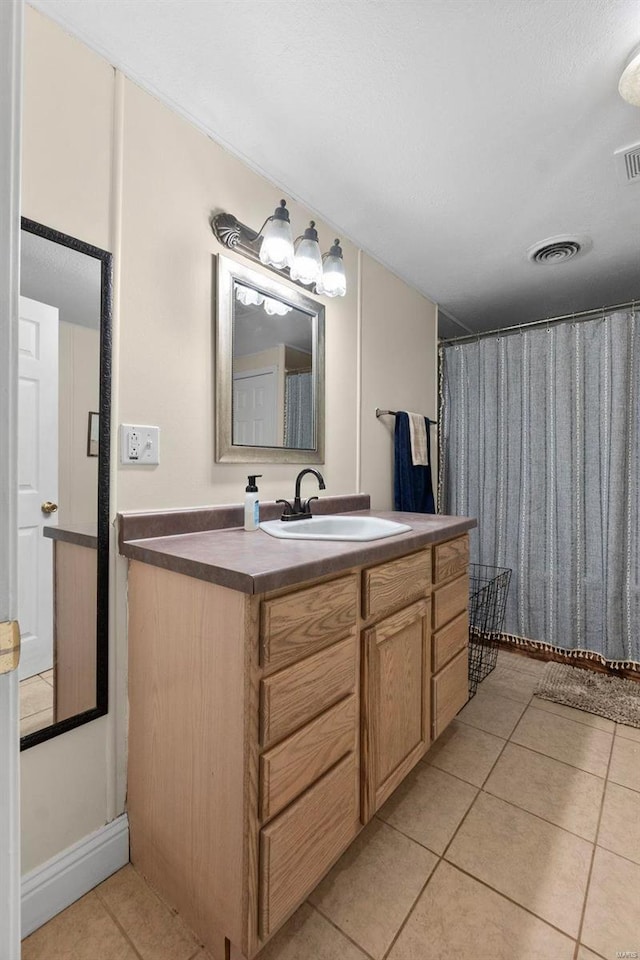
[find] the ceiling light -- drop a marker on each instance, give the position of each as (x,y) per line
(272,246)
(307,262)
(629,85)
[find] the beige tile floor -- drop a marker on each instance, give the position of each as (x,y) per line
(517,838)
(36,702)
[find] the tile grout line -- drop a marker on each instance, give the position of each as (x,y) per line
(124,933)
(442,855)
(573,719)
(538,816)
(339,929)
(413,839)
(593,856)
(505,896)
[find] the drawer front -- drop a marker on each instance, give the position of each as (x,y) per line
(450,640)
(297,694)
(288,769)
(450,692)
(396,584)
(299,846)
(449,601)
(450,559)
(298,624)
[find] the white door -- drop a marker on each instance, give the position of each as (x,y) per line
(37,480)
(254,408)
(11,13)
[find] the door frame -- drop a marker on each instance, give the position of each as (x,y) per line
(11,39)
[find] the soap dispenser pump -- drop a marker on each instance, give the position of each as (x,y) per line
(252,504)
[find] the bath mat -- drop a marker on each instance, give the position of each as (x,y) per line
(612,697)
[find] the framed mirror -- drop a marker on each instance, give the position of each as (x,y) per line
(64,408)
(269,370)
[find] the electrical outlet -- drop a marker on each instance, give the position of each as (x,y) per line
(139,444)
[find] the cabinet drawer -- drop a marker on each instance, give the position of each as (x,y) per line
(299,846)
(297,625)
(450,559)
(450,692)
(395,584)
(297,694)
(288,769)
(450,600)
(450,640)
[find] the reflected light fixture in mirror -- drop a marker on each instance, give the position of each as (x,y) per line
(273,246)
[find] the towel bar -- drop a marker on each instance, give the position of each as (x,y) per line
(393,413)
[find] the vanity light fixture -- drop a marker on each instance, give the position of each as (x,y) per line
(273,246)
(307,262)
(334,281)
(276,249)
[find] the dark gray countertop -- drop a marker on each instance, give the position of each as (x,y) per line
(256,562)
(82,534)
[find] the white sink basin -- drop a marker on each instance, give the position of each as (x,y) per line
(334,528)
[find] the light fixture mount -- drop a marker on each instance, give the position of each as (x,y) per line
(237,236)
(270,245)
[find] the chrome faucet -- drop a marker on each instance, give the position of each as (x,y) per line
(300,510)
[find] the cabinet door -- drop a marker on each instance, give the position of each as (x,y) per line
(396,702)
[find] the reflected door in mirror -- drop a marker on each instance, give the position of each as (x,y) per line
(63,317)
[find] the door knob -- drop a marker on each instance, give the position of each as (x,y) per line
(49,507)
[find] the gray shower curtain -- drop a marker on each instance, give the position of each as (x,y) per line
(540,442)
(298,411)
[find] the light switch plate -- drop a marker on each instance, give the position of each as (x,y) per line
(139,444)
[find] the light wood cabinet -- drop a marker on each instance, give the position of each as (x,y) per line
(266,730)
(395,702)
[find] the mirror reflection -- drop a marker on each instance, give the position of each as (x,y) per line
(269,369)
(58,435)
(272,372)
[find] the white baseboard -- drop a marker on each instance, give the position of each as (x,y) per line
(68,876)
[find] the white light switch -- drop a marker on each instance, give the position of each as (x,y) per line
(139,444)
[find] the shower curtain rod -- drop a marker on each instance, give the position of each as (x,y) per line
(518,327)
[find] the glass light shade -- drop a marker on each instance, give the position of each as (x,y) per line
(334,280)
(276,248)
(276,307)
(248,297)
(307,263)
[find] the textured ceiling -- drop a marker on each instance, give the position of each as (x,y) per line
(445,137)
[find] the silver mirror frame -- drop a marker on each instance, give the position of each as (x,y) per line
(229,271)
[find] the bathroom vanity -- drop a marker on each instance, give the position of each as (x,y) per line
(279,693)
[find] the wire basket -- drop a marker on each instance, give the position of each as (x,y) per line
(488,590)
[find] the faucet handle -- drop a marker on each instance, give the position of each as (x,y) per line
(288,509)
(306,507)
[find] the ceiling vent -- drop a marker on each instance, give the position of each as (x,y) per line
(555,250)
(628,162)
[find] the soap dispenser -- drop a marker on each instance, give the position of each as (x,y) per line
(251,504)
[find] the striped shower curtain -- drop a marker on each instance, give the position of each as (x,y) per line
(298,411)
(540,442)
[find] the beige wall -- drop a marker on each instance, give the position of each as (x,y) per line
(79,381)
(106,162)
(399,370)
(67,184)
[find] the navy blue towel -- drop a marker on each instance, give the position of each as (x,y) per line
(412,488)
